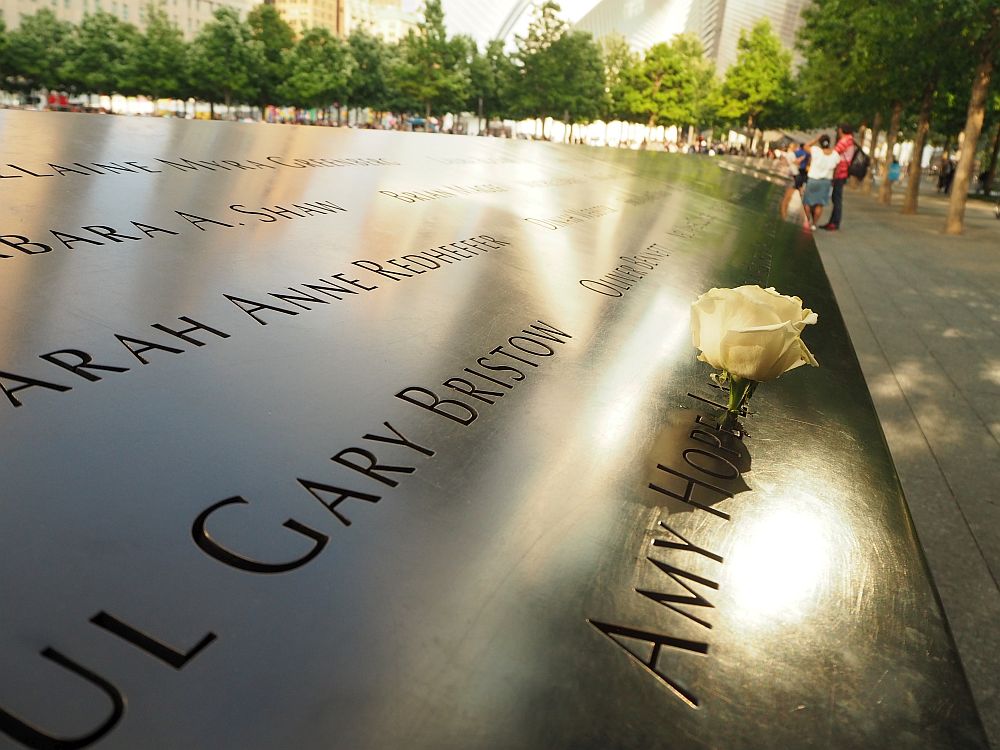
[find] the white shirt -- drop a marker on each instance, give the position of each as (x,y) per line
(822,165)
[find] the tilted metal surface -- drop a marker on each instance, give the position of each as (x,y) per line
(502,583)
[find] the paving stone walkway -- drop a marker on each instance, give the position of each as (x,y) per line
(923,311)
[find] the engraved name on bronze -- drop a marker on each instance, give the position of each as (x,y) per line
(261,308)
(181,164)
(102,234)
(632,270)
(572,216)
(706,468)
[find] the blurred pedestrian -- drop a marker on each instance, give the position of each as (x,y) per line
(894,171)
(823,160)
(798,166)
(949,176)
(845,149)
(945,170)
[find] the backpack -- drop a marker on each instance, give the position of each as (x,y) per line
(859,164)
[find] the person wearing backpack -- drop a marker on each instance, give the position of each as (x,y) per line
(845,148)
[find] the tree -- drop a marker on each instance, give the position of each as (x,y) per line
(3,51)
(580,86)
(36,51)
(431,69)
(155,59)
(706,94)
(274,38)
(371,58)
(538,65)
(984,43)
(491,75)
(98,54)
(222,59)
(318,70)
(620,64)
(661,88)
(865,56)
(761,77)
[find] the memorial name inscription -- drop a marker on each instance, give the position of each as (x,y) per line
(181,164)
(101,234)
(532,344)
(708,470)
(306,297)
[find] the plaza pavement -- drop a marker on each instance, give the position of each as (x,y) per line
(923,312)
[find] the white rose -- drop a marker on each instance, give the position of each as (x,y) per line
(751,333)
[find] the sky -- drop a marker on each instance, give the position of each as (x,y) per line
(481,19)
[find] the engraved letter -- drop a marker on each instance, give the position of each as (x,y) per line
(38,740)
(150,645)
(213,549)
(657,641)
(436,405)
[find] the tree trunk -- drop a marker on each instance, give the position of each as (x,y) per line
(866,183)
(912,196)
(211,109)
(885,191)
(973,128)
(993,162)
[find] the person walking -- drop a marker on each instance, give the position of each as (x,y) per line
(823,161)
(894,171)
(845,149)
(798,168)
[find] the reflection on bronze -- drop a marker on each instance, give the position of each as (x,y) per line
(320,438)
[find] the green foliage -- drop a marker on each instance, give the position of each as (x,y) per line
(668,86)
(760,79)
(706,90)
(274,38)
(579,93)
(155,60)
(371,62)
(431,70)
(491,75)
(861,56)
(557,73)
(98,55)
(36,52)
(318,69)
(3,50)
(620,64)
(223,58)
(539,69)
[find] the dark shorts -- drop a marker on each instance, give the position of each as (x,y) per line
(799,180)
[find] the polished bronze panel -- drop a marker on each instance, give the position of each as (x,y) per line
(317,438)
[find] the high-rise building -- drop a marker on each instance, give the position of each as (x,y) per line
(717,23)
(306,14)
(188,15)
(383,18)
(643,23)
(723,20)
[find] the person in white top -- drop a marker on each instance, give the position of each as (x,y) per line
(824,160)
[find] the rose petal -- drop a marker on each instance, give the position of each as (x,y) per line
(751,332)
